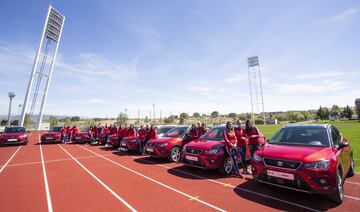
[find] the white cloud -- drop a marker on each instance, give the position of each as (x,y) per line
(241,77)
(311,87)
(324,74)
(342,16)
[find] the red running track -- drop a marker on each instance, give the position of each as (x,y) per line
(92,178)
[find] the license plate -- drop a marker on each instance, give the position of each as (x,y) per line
(149,149)
(281,175)
(49,138)
(12,139)
(188,157)
(123,144)
(78,138)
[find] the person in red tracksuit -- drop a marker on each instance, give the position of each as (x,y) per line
(114,130)
(203,129)
(241,144)
(68,134)
(74,131)
(152,133)
(194,133)
(252,134)
(231,144)
(63,134)
(120,134)
(131,131)
(141,136)
(106,132)
(90,134)
(125,131)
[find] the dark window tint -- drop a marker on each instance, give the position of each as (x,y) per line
(15,130)
(55,129)
(335,134)
(214,134)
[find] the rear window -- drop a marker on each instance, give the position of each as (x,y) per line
(162,130)
(214,134)
(301,136)
(55,129)
(15,130)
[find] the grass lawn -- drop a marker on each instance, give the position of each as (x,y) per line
(349,129)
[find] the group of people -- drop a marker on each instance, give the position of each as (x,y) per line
(197,130)
(235,142)
(68,133)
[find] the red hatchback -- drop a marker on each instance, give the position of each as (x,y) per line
(14,135)
(52,136)
(170,144)
(307,158)
(209,151)
(82,137)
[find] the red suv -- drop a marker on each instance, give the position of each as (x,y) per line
(209,151)
(52,136)
(170,144)
(14,135)
(309,158)
(82,136)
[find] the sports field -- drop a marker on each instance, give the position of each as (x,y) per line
(349,129)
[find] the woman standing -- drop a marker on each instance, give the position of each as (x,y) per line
(252,134)
(231,144)
(241,144)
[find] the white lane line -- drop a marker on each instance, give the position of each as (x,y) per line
(52,161)
(346,181)
(102,183)
(231,186)
(48,197)
(351,197)
(157,182)
(8,161)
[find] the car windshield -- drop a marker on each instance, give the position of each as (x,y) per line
(15,130)
(162,130)
(55,129)
(214,134)
(301,136)
(177,132)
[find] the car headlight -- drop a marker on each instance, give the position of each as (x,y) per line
(257,158)
(323,164)
(212,151)
(163,144)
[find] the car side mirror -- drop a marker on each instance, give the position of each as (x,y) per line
(342,145)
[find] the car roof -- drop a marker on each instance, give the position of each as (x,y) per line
(306,126)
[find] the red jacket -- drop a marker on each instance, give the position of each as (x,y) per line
(68,130)
(120,132)
(141,134)
(240,133)
(63,130)
(202,131)
(106,131)
(131,132)
(113,131)
(125,132)
(152,134)
(253,131)
(194,133)
(75,130)
(230,138)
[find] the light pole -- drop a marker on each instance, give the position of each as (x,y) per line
(154,112)
(20,106)
(11,96)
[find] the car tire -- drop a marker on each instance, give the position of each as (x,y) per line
(351,171)
(227,166)
(338,195)
(175,154)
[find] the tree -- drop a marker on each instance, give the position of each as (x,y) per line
(75,118)
(53,121)
(67,120)
(184,116)
(214,114)
(347,112)
(233,115)
(122,118)
(323,113)
(3,122)
(15,123)
(196,115)
(27,120)
(146,120)
(181,121)
(335,111)
(357,104)
(169,120)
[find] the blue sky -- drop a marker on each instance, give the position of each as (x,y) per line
(185,55)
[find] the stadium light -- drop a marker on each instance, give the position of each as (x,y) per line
(11,96)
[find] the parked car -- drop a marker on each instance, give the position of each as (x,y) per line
(209,151)
(14,135)
(312,158)
(130,143)
(170,144)
(52,136)
(82,136)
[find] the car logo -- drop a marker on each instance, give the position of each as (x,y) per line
(280,163)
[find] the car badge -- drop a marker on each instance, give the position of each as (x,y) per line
(280,163)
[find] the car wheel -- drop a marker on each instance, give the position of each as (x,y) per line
(352,168)
(338,195)
(227,166)
(175,154)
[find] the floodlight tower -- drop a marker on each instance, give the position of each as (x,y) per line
(51,36)
(256,88)
(11,96)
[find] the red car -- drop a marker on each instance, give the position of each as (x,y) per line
(170,144)
(208,152)
(309,158)
(14,135)
(81,137)
(130,143)
(52,136)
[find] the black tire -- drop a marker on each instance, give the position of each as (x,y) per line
(227,166)
(338,195)
(351,171)
(175,154)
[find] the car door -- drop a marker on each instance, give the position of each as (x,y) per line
(342,153)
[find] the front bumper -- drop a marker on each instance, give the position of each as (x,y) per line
(303,180)
(157,151)
(203,161)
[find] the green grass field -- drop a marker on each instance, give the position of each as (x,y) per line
(349,129)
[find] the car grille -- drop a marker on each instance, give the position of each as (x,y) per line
(282,163)
(297,183)
(193,151)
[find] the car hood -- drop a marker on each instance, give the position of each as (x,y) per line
(203,144)
(51,133)
(298,153)
(163,139)
(13,134)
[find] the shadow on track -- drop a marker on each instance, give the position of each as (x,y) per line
(313,201)
(193,173)
(148,160)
